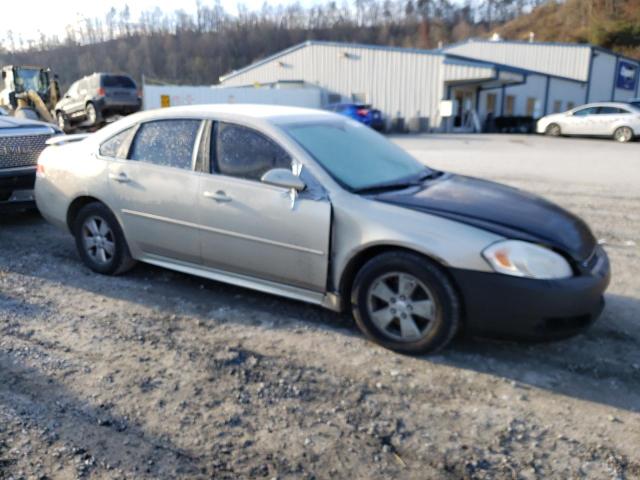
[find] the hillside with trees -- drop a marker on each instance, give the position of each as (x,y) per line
(176,47)
(613,24)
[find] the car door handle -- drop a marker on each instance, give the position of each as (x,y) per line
(218,196)
(119,177)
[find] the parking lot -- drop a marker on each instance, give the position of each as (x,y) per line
(157,374)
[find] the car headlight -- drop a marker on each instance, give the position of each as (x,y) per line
(524,259)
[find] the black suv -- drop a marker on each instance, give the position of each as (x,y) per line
(92,99)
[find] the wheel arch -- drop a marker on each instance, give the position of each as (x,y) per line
(359,259)
(77,204)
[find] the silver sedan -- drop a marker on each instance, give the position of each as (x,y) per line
(620,121)
(313,206)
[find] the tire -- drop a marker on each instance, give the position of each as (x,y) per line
(432,306)
(93,116)
(553,130)
(100,241)
(623,134)
(63,121)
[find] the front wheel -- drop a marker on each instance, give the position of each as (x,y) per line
(623,134)
(63,122)
(553,130)
(100,241)
(405,303)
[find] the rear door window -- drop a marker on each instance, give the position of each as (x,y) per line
(245,153)
(168,143)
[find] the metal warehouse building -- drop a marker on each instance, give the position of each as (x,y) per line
(460,87)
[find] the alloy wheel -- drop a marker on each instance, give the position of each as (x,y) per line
(623,134)
(402,307)
(98,240)
(91,114)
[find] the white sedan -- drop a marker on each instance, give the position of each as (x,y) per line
(621,121)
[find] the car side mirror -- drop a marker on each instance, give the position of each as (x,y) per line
(283,177)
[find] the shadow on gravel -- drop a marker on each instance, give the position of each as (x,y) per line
(55,413)
(601,365)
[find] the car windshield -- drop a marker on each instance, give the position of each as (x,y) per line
(358,158)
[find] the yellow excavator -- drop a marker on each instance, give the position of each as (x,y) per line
(29,92)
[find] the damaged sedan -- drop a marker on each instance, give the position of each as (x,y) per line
(313,206)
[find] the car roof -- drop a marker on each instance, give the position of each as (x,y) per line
(250,114)
(245,110)
(603,104)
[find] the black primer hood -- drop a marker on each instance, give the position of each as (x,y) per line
(500,209)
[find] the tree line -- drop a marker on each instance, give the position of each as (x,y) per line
(196,48)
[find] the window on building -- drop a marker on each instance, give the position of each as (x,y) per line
(557,106)
(491,103)
(509,105)
(531,106)
(334,98)
(570,105)
(168,143)
(359,97)
(245,153)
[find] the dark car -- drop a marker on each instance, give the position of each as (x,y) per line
(94,98)
(361,113)
(21,142)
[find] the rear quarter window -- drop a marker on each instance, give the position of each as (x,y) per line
(113,147)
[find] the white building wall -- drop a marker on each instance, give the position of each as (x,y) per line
(403,83)
(533,87)
(602,77)
(563,60)
(195,95)
(566,92)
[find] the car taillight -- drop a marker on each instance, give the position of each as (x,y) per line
(362,112)
(101,92)
(40,170)
(139,93)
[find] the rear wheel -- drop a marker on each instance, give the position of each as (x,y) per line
(553,130)
(405,303)
(92,114)
(623,134)
(100,240)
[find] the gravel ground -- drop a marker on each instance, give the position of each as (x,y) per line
(156,374)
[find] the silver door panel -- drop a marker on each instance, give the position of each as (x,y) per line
(156,207)
(256,232)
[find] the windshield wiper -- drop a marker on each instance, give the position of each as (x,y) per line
(413,181)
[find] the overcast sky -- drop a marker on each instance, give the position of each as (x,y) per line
(52,17)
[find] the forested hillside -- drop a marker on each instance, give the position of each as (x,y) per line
(195,49)
(613,24)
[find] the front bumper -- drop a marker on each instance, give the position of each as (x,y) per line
(16,188)
(502,306)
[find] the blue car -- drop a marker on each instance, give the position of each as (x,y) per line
(361,113)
